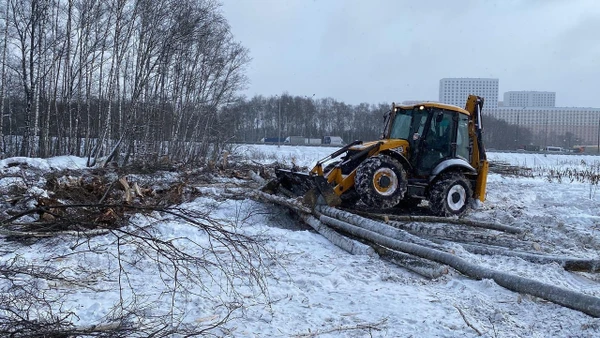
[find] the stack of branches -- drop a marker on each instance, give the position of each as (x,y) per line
(39,298)
(84,200)
(504,168)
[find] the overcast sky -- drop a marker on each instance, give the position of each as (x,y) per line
(395,50)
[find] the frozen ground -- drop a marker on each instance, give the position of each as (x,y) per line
(316,289)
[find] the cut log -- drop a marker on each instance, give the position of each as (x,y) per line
(341,241)
(460,234)
(420,266)
(256,177)
(127,189)
(290,203)
(47,234)
(570,299)
(447,220)
(568,263)
(331,216)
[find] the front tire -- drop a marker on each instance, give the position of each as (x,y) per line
(381,182)
(450,195)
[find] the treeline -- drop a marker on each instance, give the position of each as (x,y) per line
(264,117)
(499,134)
(101,78)
(259,117)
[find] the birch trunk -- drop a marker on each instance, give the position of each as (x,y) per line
(3,149)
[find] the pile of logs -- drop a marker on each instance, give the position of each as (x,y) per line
(415,243)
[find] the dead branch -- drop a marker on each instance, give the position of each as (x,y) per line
(360,327)
(466,321)
(228,257)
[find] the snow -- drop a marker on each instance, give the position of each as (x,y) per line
(313,287)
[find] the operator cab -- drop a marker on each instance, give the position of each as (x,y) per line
(435,132)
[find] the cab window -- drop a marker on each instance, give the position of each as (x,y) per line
(438,140)
(462,138)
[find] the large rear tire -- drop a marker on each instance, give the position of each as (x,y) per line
(450,195)
(380,182)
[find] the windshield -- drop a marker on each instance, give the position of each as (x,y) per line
(408,122)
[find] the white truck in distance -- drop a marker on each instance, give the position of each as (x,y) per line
(301,140)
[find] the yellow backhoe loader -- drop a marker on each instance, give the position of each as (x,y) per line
(429,151)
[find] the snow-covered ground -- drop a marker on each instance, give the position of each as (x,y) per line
(316,289)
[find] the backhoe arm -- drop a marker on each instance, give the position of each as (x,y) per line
(479,159)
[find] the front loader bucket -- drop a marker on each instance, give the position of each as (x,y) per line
(310,186)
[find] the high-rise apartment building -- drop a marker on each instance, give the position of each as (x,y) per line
(552,122)
(455,91)
(529,99)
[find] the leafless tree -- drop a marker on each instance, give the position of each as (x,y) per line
(117,80)
(3,80)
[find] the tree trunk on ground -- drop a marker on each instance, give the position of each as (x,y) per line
(420,266)
(343,242)
(463,234)
(568,263)
(435,219)
(573,300)
(331,215)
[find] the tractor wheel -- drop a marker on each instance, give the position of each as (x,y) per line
(450,195)
(380,182)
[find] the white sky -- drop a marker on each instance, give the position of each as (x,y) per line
(395,50)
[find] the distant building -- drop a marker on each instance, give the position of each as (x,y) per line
(529,99)
(455,91)
(584,123)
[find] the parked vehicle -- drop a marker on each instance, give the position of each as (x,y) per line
(333,140)
(295,140)
(272,140)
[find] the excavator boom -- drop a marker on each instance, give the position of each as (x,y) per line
(479,161)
